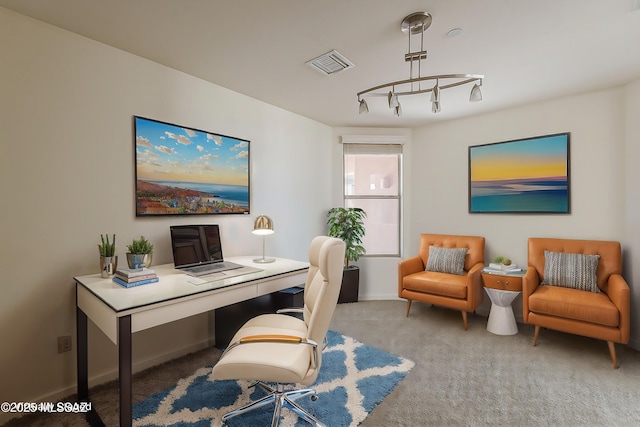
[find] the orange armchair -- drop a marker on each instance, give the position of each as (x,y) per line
(602,313)
(457,291)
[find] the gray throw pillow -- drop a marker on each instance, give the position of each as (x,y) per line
(446,260)
(568,270)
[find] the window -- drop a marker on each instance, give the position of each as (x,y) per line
(372,181)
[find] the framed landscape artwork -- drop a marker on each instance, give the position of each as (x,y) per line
(185,171)
(523,176)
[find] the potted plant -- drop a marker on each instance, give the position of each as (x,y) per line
(108,258)
(347,224)
(140,253)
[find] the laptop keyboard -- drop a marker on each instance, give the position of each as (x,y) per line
(204,269)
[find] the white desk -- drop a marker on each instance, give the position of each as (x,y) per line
(119,312)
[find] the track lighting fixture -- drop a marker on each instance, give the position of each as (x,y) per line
(415,25)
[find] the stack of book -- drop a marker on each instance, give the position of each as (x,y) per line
(494,268)
(134,277)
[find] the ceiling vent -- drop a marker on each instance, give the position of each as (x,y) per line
(330,63)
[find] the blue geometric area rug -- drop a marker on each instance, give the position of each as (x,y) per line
(353,379)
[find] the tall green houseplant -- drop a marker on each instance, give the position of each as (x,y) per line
(347,224)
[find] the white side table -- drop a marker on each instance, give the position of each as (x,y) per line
(502,289)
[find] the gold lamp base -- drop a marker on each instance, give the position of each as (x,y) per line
(264,260)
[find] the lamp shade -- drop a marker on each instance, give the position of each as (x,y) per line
(263,225)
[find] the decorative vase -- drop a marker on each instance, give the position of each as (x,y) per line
(108,266)
(137,261)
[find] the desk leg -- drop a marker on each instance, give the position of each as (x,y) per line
(125,370)
(82,353)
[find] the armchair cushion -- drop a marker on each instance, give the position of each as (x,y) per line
(446,260)
(569,270)
(568,303)
(435,283)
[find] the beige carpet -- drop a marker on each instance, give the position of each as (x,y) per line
(461,378)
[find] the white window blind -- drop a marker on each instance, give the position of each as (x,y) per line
(373,182)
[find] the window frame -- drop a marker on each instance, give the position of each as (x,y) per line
(394,144)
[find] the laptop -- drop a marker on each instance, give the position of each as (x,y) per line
(197,250)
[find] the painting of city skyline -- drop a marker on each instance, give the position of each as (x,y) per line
(523,176)
(186,171)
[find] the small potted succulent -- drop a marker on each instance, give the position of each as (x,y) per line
(140,253)
(108,258)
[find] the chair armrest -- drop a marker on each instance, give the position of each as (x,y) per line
(530,283)
(408,266)
(475,269)
(474,282)
(275,339)
(290,310)
(619,294)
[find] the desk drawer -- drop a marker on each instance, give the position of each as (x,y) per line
(502,282)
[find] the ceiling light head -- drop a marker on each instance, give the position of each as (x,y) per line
(435,107)
(435,93)
(476,93)
(397,110)
(364,108)
(393,99)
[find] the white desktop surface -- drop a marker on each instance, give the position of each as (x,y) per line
(177,295)
(176,284)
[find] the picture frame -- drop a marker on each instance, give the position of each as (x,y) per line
(530,175)
(181,170)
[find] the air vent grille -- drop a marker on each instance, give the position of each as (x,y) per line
(330,63)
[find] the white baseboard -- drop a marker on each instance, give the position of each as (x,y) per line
(380,297)
(102,378)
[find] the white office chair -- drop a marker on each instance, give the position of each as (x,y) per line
(282,349)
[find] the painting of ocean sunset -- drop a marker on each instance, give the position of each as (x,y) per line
(522,176)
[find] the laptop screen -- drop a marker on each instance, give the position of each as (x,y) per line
(195,244)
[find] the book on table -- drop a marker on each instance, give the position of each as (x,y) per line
(136,278)
(134,272)
(502,269)
(128,277)
(130,284)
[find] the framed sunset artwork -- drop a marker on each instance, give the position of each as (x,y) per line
(186,171)
(528,175)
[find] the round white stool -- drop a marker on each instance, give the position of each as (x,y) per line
(501,318)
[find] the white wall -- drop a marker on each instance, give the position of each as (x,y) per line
(67,175)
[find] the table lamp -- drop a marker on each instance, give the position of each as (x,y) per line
(261,227)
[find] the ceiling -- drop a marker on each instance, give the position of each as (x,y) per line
(527,50)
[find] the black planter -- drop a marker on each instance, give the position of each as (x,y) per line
(350,284)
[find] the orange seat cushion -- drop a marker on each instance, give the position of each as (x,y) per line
(574,304)
(443,284)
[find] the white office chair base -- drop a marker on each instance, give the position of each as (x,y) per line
(281,399)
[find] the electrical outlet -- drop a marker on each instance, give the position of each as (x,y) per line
(64,344)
